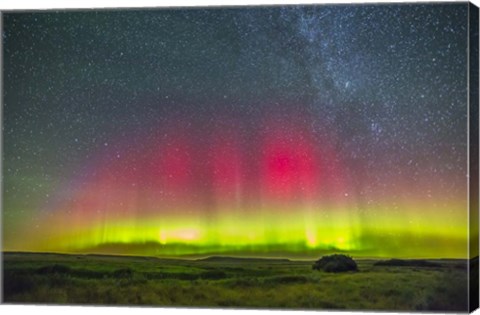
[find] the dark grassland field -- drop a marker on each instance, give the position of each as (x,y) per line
(230,282)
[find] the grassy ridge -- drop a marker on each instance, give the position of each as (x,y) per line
(252,283)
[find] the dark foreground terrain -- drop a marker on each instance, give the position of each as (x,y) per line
(229,282)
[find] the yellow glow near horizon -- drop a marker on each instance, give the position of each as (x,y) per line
(296,231)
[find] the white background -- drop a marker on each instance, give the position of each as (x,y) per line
(77,310)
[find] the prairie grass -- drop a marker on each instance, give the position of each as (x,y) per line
(103,280)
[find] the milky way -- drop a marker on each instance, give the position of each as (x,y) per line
(271,131)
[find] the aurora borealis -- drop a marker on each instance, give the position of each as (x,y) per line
(261,131)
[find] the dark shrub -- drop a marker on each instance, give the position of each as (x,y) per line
(171,275)
(182,276)
(123,273)
(89,274)
(53,269)
(213,275)
(288,279)
(154,275)
(335,263)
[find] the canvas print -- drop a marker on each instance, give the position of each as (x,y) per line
(282,157)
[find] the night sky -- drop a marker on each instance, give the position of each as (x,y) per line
(285,131)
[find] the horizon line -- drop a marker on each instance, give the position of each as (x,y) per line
(231,256)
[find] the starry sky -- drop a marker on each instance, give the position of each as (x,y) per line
(286,131)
